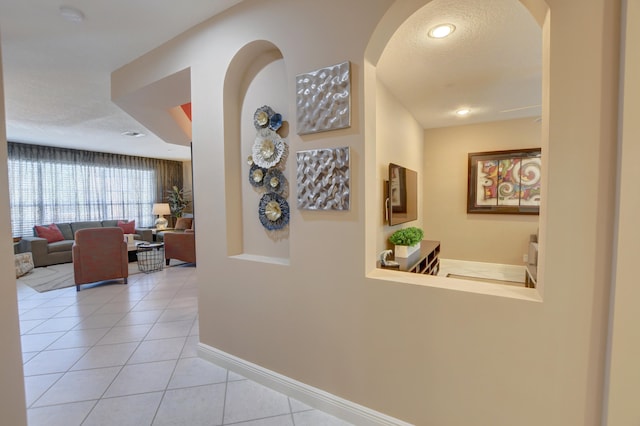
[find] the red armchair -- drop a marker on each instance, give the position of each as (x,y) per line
(180,246)
(99,254)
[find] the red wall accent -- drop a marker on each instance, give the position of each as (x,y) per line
(187,109)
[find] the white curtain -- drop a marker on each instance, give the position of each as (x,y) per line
(48,185)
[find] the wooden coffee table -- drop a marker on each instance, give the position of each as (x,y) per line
(132,249)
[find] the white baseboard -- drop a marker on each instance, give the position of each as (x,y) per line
(314,397)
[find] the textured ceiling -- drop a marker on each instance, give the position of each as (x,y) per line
(57,73)
(492,63)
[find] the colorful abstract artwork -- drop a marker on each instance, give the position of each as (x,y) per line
(505,182)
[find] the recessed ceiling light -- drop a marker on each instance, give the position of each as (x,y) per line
(463,111)
(442,30)
(133,134)
(71,14)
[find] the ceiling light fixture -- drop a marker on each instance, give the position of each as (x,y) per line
(442,30)
(463,111)
(133,134)
(71,14)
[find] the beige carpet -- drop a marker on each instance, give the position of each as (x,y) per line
(57,276)
(485,280)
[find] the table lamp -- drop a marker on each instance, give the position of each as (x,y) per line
(161,209)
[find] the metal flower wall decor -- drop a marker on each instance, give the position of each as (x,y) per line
(268,148)
(269,152)
(273,211)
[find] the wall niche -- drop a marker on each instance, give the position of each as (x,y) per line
(256,78)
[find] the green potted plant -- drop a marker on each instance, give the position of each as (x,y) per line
(177,201)
(406,241)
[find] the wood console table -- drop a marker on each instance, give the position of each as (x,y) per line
(531,276)
(424,261)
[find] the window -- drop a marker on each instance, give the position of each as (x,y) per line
(59,185)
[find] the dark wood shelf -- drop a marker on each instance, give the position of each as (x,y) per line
(423,261)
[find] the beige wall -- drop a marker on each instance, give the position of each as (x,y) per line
(624,385)
(443,181)
(495,238)
(401,141)
(12,398)
(268,87)
(422,349)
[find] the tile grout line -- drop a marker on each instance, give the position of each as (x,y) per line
(164,392)
(183,291)
(82,356)
(293,420)
(224,400)
(102,396)
(63,373)
(129,358)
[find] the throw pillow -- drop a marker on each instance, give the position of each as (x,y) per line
(127,227)
(183,223)
(51,233)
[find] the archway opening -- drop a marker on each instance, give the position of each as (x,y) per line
(497,68)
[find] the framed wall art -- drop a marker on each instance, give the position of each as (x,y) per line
(323,99)
(506,182)
(323,179)
(397,196)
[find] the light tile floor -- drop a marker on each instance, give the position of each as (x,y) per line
(126,355)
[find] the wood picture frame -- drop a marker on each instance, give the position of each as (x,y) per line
(505,182)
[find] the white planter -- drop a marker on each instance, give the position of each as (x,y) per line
(406,251)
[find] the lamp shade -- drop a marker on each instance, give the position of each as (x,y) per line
(161,209)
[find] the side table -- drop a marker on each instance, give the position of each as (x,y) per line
(150,257)
(16,244)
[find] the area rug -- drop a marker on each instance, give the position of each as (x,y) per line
(486,280)
(55,277)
